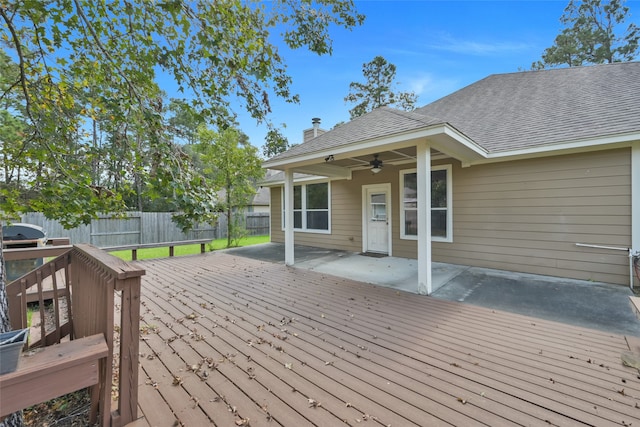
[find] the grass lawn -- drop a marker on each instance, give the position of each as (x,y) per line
(188,249)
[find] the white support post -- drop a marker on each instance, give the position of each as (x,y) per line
(288,218)
(635,200)
(424,218)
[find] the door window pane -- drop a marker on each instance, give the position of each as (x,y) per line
(379,207)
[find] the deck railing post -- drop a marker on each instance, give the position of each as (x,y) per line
(129,349)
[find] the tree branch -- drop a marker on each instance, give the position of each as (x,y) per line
(21,64)
(105,51)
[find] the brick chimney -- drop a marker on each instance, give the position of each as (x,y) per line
(314,131)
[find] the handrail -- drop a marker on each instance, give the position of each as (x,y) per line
(36,252)
(88,280)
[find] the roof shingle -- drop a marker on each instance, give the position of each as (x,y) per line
(529,109)
(505,112)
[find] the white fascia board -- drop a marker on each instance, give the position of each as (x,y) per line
(375,145)
(303,180)
(323,169)
(593,144)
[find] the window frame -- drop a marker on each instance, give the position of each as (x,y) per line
(303,209)
(449,232)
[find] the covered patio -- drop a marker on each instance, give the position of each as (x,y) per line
(229,340)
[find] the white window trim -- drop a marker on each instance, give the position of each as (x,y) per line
(449,238)
(304,208)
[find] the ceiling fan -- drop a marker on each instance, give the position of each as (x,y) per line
(376,164)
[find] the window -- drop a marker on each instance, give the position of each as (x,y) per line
(441,217)
(310,207)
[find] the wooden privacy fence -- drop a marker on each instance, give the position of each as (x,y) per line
(144,228)
(84,283)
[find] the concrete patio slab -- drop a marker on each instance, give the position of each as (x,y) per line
(586,304)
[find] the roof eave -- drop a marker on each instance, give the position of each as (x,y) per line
(442,137)
(566,147)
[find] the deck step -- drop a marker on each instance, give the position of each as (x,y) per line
(51,372)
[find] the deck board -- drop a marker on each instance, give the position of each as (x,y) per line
(293,347)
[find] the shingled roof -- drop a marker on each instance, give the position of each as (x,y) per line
(529,109)
(378,123)
(505,112)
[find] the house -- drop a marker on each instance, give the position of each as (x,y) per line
(535,172)
(261,201)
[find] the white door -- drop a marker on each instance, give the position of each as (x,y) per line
(376,211)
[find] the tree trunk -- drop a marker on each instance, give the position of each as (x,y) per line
(5,325)
(229,226)
(15,419)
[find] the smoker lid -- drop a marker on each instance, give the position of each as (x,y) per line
(21,231)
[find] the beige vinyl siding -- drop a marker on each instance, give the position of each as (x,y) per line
(524,216)
(277,235)
(528,215)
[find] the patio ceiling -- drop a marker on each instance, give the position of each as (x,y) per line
(341,166)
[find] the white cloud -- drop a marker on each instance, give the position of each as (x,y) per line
(476,47)
(429,87)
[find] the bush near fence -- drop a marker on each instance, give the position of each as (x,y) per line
(143,227)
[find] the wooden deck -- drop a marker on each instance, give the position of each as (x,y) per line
(230,341)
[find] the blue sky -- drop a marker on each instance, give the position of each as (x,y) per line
(437,47)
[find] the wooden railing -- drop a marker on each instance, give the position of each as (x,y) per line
(83,283)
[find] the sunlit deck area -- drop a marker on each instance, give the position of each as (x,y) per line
(232,341)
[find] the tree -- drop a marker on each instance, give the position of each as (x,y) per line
(233,168)
(13,147)
(594,33)
(274,143)
(81,60)
(378,90)
(185,121)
